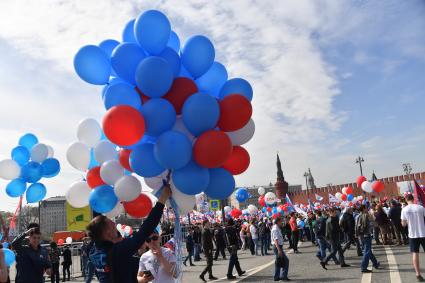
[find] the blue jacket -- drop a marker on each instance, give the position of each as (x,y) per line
(113,261)
(30,264)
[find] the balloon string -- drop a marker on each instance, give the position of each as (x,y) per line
(178,240)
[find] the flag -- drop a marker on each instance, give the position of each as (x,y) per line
(318,198)
(288,200)
(419,194)
(299,210)
(333,198)
(310,203)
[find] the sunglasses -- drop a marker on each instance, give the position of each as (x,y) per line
(153,238)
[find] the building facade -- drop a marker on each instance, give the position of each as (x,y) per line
(53,215)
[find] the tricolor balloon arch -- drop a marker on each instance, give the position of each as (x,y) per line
(30,162)
(171,113)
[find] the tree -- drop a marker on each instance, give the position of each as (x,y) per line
(28,214)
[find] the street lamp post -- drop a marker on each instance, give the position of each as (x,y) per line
(359,160)
(306,182)
(407,168)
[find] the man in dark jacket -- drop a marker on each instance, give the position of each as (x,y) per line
(32,261)
(232,240)
(66,264)
(320,232)
(395,215)
(348,227)
(333,232)
(262,233)
(189,247)
(219,241)
(111,256)
(197,240)
(207,244)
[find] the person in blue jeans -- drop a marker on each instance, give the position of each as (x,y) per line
(364,230)
(281,265)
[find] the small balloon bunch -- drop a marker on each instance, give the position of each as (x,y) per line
(109,186)
(30,161)
(172,108)
(370,186)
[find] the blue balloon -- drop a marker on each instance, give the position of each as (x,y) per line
(264,210)
(185,73)
(221,184)
(32,172)
(16,188)
(172,58)
(92,65)
(241,194)
(236,86)
(173,150)
(5,245)
(21,155)
(191,179)
(108,45)
(93,162)
(51,167)
(350,197)
(154,76)
(28,140)
(36,192)
(125,59)
(198,55)
(274,210)
(122,94)
(269,214)
(174,41)
(103,199)
(145,139)
(128,32)
(152,31)
(9,256)
(143,161)
(212,81)
(1,236)
(112,81)
(159,115)
(200,113)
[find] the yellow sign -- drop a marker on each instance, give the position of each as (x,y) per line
(77,219)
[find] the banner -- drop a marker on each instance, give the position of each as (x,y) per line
(215,205)
(319,198)
(77,219)
(333,199)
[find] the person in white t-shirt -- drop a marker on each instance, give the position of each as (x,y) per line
(158,265)
(413,215)
(254,235)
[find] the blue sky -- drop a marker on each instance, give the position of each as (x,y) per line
(332,79)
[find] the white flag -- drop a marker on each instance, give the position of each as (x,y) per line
(333,199)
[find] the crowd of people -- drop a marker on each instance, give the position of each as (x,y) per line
(148,257)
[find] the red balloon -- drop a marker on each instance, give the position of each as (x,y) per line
(93,177)
(235,112)
(212,149)
(124,125)
(349,190)
(360,181)
(378,186)
(269,209)
(143,97)
(235,213)
(140,207)
(238,161)
(261,201)
(61,242)
(344,197)
(124,158)
(181,89)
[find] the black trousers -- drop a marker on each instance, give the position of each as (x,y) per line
(350,239)
(335,248)
(55,277)
(295,238)
(66,271)
(234,263)
(220,249)
(208,268)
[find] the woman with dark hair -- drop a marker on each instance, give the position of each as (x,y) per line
(383,222)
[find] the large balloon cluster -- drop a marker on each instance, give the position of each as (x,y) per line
(171,108)
(109,186)
(30,161)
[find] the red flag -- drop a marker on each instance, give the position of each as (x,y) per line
(12,224)
(419,194)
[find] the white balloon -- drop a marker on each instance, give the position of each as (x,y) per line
(180,127)
(116,211)
(111,171)
(344,190)
(39,152)
(227,209)
(127,188)
(78,194)
(9,169)
(105,151)
(51,152)
(243,135)
(68,240)
(155,183)
(261,191)
(89,132)
(119,226)
(338,195)
(270,198)
(186,203)
(252,209)
(367,187)
(127,229)
(78,155)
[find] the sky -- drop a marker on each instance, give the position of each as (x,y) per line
(332,80)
